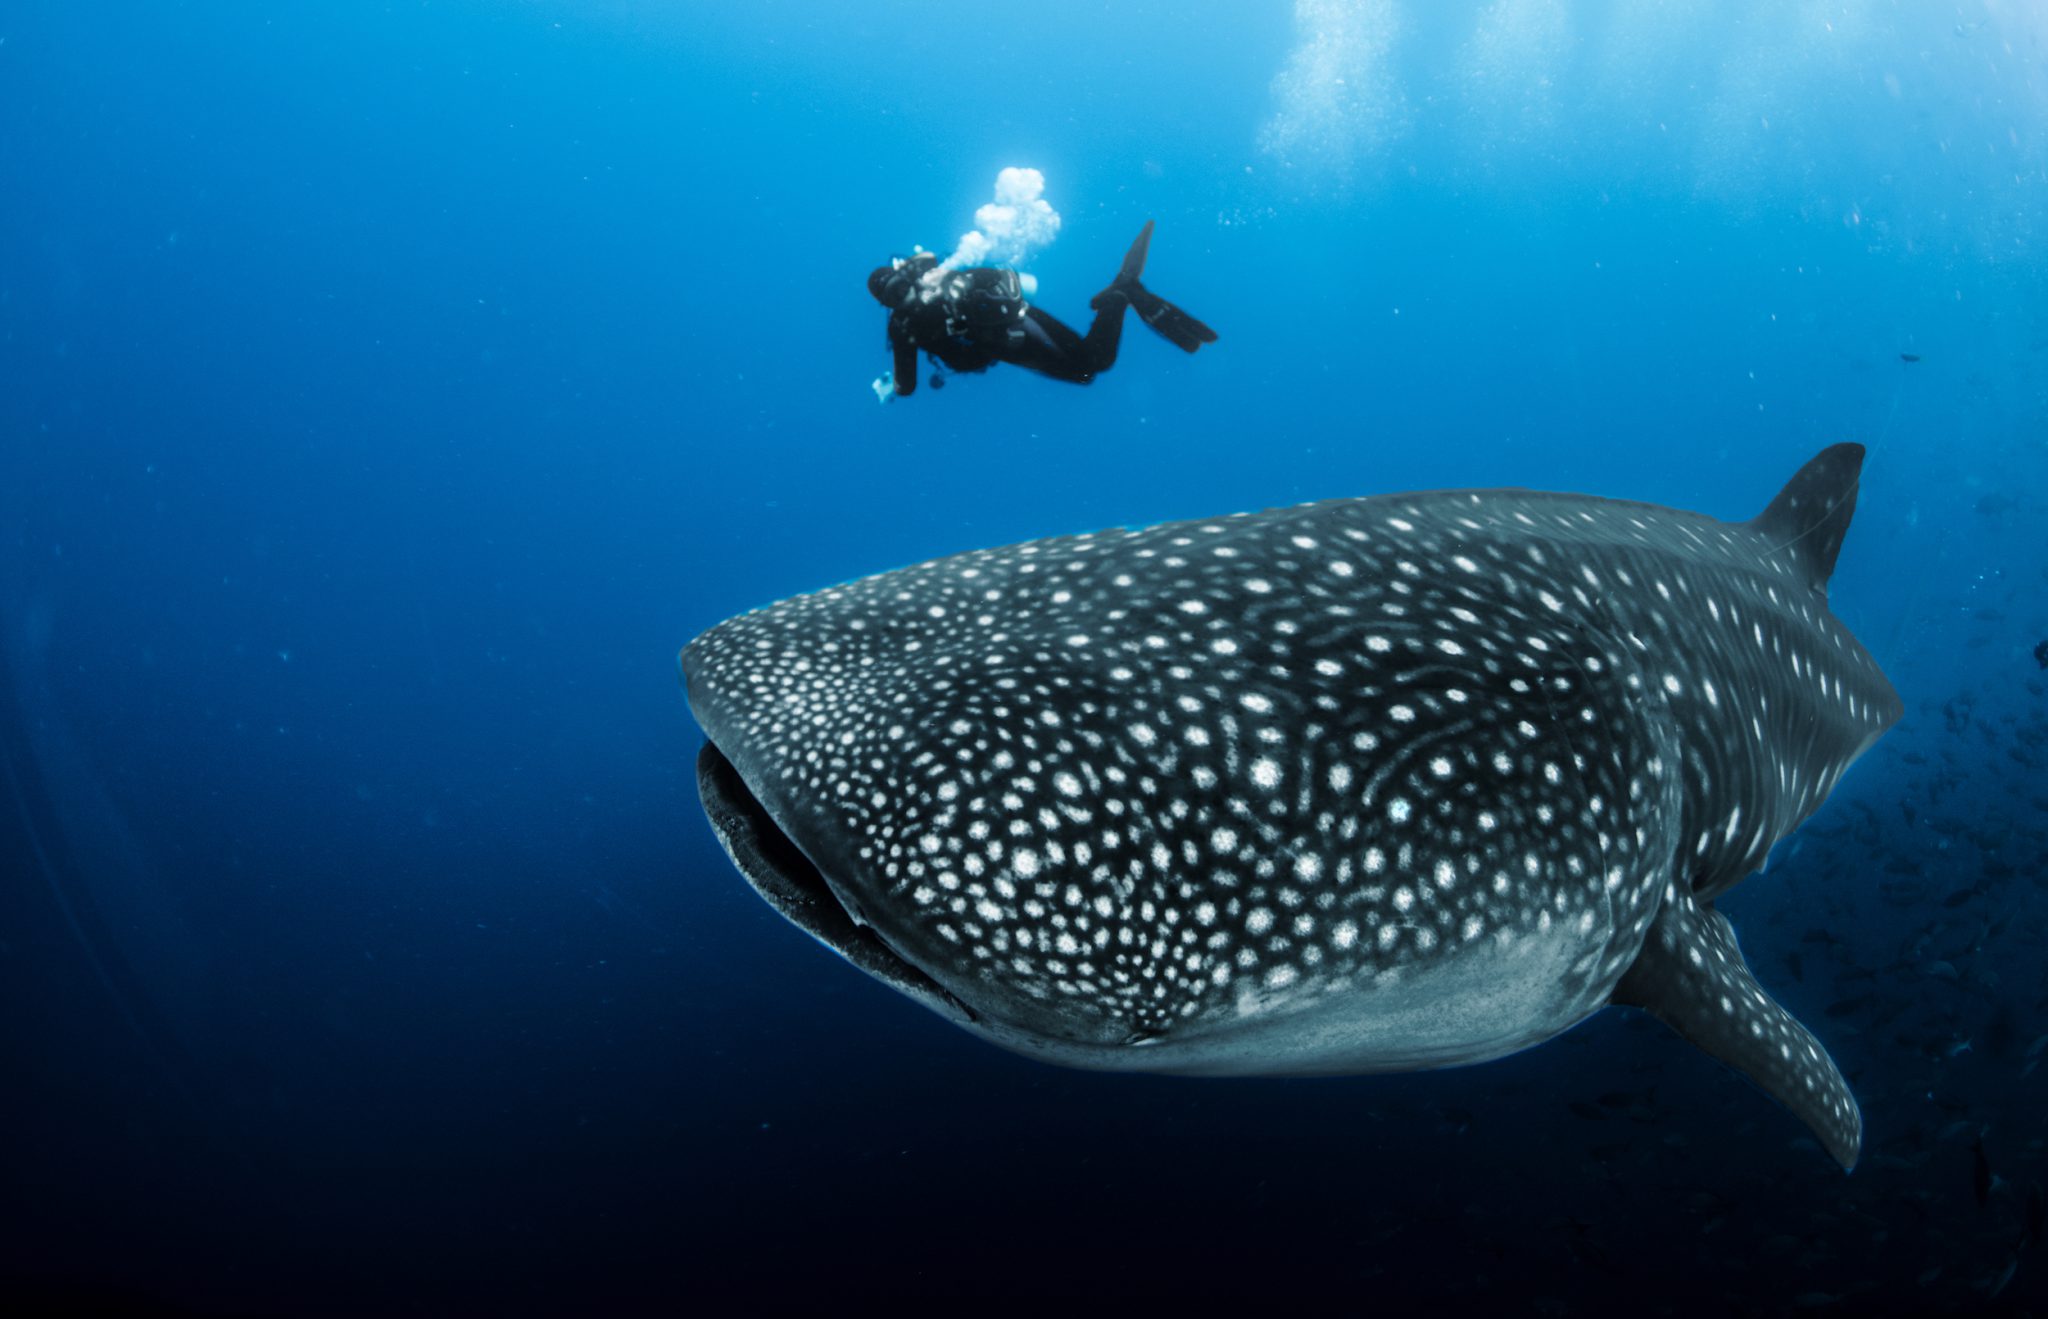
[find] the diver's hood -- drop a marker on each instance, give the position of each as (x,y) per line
(895,285)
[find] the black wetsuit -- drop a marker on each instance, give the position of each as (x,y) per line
(971,319)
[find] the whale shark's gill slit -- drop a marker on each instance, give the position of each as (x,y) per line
(1416,752)
(1597,633)
(1575,764)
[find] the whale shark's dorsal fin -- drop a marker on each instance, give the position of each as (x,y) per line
(1810,516)
(1691,976)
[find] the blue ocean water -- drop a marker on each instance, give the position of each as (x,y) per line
(387,392)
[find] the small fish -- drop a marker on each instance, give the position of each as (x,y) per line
(1982,1176)
(1909,357)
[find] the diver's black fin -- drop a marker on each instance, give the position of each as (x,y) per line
(1134,260)
(1169,321)
(1172,324)
(1691,976)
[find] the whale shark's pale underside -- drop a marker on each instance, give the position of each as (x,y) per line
(1362,785)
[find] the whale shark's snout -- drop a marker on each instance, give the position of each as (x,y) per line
(825,902)
(829,879)
(791,883)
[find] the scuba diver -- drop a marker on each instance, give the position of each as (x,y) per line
(971,319)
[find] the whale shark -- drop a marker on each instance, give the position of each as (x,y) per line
(1364,785)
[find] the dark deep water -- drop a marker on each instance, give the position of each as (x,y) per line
(388,391)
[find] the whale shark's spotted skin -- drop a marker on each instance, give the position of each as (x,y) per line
(1361,785)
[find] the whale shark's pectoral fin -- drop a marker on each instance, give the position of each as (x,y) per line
(1691,976)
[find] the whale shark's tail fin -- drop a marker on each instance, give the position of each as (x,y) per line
(1691,976)
(1811,514)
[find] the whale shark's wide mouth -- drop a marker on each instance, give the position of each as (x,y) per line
(781,873)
